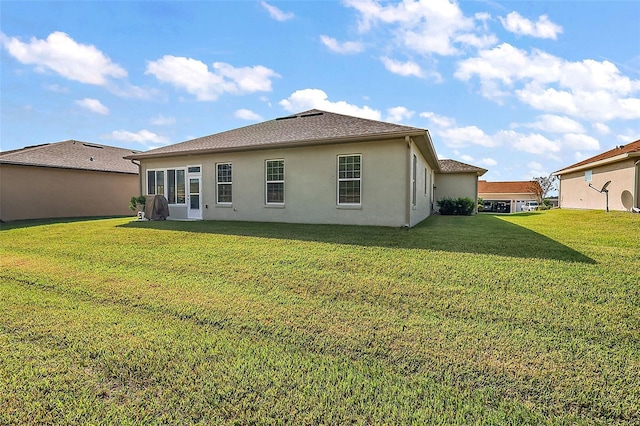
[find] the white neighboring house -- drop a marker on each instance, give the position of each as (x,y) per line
(310,167)
(508,197)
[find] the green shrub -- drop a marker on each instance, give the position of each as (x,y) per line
(462,206)
(137,201)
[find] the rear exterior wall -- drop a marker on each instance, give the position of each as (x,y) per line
(311,185)
(456,185)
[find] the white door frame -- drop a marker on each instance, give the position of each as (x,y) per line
(194,173)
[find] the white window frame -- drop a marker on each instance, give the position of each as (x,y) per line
(229,183)
(267,182)
(165,183)
(184,176)
(426,182)
(348,179)
(414,181)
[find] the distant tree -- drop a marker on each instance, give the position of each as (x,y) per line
(541,186)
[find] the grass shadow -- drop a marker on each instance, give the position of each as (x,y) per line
(481,234)
(27,223)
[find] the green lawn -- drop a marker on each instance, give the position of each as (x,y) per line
(520,319)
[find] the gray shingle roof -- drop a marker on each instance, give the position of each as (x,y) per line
(73,155)
(453,166)
(305,128)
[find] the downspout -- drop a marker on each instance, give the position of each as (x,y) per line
(636,196)
(139,174)
(475,209)
(407,218)
(559,191)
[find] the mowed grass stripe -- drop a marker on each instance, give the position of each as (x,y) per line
(545,331)
(150,368)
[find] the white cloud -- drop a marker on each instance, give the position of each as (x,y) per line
(455,136)
(128,90)
(247,114)
(404,69)
(63,55)
(399,113)
(161,120)
(532,143)
(601,128)
(276,13)
(345,48)
(93,105)
(424,26)
(579,141)
(305,99)
(556,124)
(543,28)
(195,77)
(57,88)
(535,170)
(458,137)
(488,162)
(589,90)
(143,137)
(467,158)
(438,120)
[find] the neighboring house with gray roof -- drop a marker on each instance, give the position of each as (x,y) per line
(311,167)
(455,179)
(580,182)
(66,179)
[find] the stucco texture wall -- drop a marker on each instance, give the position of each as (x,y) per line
(575,192)
(310,184)
(456,185)
(28,192)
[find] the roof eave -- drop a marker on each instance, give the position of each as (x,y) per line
(280,145)
(49,166)
(606,161)
(479,172)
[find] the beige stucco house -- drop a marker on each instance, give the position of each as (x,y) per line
(66,179)
(580,182)
(508,196)
(311,167)
(455,179)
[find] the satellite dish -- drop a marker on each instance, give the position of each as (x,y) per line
(603,190)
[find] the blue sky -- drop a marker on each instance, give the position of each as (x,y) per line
(519,88)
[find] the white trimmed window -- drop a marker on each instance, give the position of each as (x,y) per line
(414,180)
(169,182)
(274,182)
(224,183)
(175,186)
(587,176)
(349,179)
(426,182)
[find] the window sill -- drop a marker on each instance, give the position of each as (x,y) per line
(274,206)
(349,207)
(224,206)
